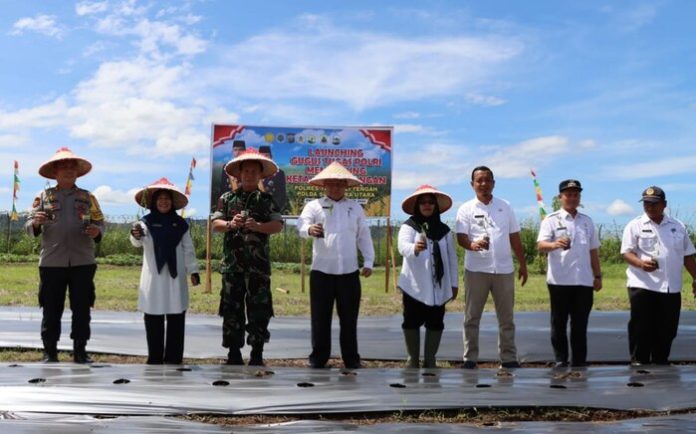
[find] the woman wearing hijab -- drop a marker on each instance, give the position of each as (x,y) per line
(429,277)
(168,256)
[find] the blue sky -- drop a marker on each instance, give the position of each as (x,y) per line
(599,91)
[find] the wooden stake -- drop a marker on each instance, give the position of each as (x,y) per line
(208,254)
(387,257)
(302,264)
(393,262)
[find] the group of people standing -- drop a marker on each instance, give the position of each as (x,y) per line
(654,245)
(69,219)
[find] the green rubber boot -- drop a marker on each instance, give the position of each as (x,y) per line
(412,338)
(432,344)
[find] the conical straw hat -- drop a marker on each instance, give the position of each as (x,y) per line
(444,202)
(179,200)
(48,170)
(233,167)
(335,171)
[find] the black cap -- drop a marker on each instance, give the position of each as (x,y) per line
(568,184)
(239,144)
(653,194)
(265,149)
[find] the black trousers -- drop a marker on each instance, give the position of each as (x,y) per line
(157,352)
(574,302)
(653,324)
(417,314)
(324,291)
(54,282)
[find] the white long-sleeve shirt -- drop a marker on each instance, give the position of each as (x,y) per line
(345,231)
(417,277)
(159,293)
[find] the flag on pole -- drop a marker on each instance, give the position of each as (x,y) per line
(540,200)
(189,183)
(15,188)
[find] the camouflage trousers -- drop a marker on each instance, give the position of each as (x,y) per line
(245,305)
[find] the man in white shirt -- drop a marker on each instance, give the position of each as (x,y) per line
(488,230)
(656,246)
(339,228)
(570,239)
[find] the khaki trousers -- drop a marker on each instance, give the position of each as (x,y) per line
(502,287)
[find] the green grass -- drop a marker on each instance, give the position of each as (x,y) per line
(117,289)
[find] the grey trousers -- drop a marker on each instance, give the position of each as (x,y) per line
(477,286)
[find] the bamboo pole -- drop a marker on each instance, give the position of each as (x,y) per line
(302,264)
(208,254)
(387,257)
(9,224)
(393,262)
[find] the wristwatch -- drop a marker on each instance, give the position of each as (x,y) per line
(598,276)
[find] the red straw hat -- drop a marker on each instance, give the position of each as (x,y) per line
(335,171)
(234,167)
(444,202)
(48,170)
(179,200)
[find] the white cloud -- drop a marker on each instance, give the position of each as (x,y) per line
(634,17)
(587,144)
(90,8)
(447,164)
(484,100)
(366,69)
(93,49)
(515,161)
(12,141)
(620,208)
(653,168)
(44,24)
(414,115)
(409,128)
(107,195)
(41,116)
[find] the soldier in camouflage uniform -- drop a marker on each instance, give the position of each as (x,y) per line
(69,221)
(247,216)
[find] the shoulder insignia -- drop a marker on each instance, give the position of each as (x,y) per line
(95,211)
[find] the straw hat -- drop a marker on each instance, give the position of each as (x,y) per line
(233,167)
(47,170)
(444,202)
(179,200)
(335,171)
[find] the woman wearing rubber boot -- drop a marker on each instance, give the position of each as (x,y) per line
(429,277)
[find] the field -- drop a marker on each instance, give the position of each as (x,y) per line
(117,289)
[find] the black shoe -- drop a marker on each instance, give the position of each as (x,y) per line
(50,357)
(510,365)
(317,365)
(80,353)
(234,357)
(469,364)
(256,356)
(353,365)
(561,365)
(50,353)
